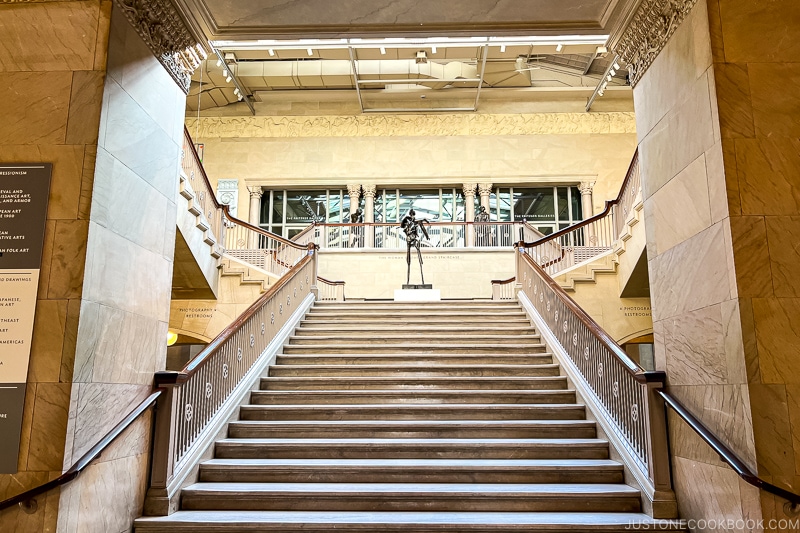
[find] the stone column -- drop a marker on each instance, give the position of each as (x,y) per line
(354,192)
(369,214)
(256,192)
(469,212)
(587,204)
(485,189)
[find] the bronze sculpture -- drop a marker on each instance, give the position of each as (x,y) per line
(412,228)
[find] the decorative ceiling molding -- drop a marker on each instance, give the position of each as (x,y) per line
(411,125)
(163,30)
(651,27)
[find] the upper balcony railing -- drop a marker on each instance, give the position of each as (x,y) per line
(237,238)
(592,237)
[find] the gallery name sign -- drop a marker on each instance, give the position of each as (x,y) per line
(24,189)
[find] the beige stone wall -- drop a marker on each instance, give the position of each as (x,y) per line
(456,273)
(428,150)
(717,124)
(50,100)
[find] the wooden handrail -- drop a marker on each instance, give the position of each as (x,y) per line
(170,377)
(202,169)
(329,282)
(262,231)
(87,458)
(639,374)
(504,281)
(724,452)
(606,210)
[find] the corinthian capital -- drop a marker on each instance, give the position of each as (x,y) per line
(369,191)
(485,189)
(469,189)
(586,187)
(255,191)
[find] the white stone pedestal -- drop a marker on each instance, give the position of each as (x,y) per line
(417,295)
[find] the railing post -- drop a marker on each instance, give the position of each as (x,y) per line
(163,463)
(658,452)
(313,251)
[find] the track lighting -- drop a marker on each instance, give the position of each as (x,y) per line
(559,47)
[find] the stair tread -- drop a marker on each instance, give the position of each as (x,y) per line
(400,463)
(417,423)
(403,519)
(410,442)
(421,406)
(454,489)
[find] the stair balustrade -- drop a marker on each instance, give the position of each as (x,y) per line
(624,391)
(330,291)
(238,238)
(503,289)
(188,411)
(592,237)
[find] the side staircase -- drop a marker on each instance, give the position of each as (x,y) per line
(383,417)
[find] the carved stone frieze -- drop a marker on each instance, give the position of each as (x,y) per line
(163,30)
(411,125)
(648,32)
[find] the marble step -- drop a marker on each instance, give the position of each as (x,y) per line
(372,448)
(411,471)
(405,359)
(350,397)
(413,429)
(416,347)
(400,337)
(372,331)
(431,497)
(441,370)
(405,522)
(426,315)
(463,304)
(414,412)
(418,321)
(415,383)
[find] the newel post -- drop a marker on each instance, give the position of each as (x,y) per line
(164,441)
(313,251)
(664,505)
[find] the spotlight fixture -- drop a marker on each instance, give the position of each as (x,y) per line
(310,51)
(271,52)
(616,65)
(219,62)
(502,49)
(383,51)
(559,47)
(228,78)
(433,49)
(612,71)
(608,77)
(422,57)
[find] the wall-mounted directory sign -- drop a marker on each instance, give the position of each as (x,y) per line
(24,189)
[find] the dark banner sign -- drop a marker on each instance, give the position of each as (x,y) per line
(24,190)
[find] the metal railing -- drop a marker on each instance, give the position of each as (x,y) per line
(503,289)
(389,236)
(624,391)
(330,291)
(592,237)
(194,395)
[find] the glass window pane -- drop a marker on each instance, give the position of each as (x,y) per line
(263,217)
(291,232)
(277,207)
(563,204)
(391,206)
(448,206)
(576,204)
(379,207)
(305,207)
(504,205)
(278,230)
(334,206)
(424,202)
(534,205)
(460,206)
(545,230)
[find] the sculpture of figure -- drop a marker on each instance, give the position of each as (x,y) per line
(357,232)
(482,231)
(412,228)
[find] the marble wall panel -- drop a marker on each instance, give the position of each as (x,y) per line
(751,256)
(772,430)
(70,340)
(87,182)
(119,200)
(755,32)
(775,99)
(687,196)
(731,177)
(685,58)
(783,235)
(67,259)
(84,106)
(117,270)
(733,98)
(675,293)
(44,97)
(767,175)
(130,135)
(48,342)
(777,327)
(738,337)
(49,426)
(717,183)
(49,36)
(691,121)
(695,347)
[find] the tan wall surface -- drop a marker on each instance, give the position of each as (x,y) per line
(50,100)
(428,150)
(457,273)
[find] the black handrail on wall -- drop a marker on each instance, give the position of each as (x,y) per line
(726,454)
(87,458)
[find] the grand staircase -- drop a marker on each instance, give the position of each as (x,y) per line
(385,417)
